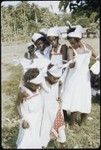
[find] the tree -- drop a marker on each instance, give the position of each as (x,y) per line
(81,6)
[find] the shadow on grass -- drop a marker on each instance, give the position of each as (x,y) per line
(96,99)
(9,137)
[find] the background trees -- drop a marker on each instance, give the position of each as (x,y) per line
(21,21)
(86,7)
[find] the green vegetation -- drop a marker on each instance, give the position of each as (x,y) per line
(20,22)
(81,7)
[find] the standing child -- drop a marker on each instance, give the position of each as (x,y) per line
(77,92)
(30,108)
(42,45)
(53,120)
(58,53)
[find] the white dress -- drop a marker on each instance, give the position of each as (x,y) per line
(51,107)
(50,110)
(31,111)
(77,89)
(46,53)
(56,57)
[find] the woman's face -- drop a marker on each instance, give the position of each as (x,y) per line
(51,78)
(40,45)
(53,41)
(75,44)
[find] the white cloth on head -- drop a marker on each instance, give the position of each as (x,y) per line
(36,36)
(53,32)
(55,71)
(44,30)
(77,33)
(29,44)
(38,79)
(95,68)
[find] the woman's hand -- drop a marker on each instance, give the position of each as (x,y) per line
(25,124)
(72,65)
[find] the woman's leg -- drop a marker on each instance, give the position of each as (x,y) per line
(73,118)
(83,117)
(73,124)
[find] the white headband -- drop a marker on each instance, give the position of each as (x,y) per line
(44,30)
(77,33)
(29,44)
(55,71)
(38,79)
(53,32)
(36,36)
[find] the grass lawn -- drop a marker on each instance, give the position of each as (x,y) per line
(88,137)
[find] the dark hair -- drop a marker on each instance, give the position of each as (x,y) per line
(71,30)
(50,66)
(31,46)
(31,49)
(30,74)
(44,40)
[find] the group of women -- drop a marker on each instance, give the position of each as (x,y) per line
(55,80)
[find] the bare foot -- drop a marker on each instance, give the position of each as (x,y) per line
(82,123)
(74,127)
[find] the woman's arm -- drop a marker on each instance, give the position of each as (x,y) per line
(64,49)
(93,51)
(70,56)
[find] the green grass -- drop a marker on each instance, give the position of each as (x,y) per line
(88,137)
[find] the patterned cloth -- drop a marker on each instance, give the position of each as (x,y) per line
(58,122)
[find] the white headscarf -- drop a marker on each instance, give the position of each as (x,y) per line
(77,33)
(36,36)
(55,71)
(53,32)
(29,44)
(44,30)
(38,79)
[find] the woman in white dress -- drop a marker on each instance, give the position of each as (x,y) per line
(58,53)
(30,108)
(76,96)
(42,46)
(53,119)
